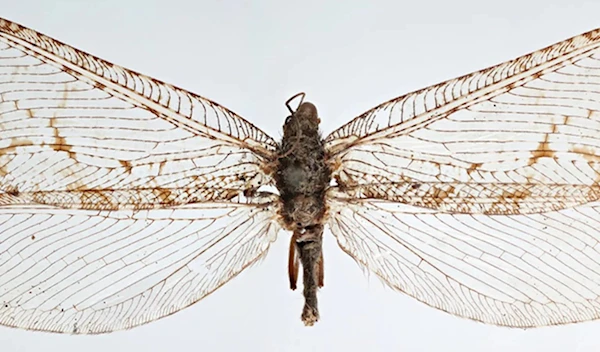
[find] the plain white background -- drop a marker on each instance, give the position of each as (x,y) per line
(348,56)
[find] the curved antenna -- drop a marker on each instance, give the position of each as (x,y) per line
(287,103)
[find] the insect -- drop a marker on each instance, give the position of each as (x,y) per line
(124,199)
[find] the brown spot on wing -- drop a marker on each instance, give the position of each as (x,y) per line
(12,190)
(516,195)
(440,196)
(126,165)
(165,196)
(543,149)
(93,199)
(509,202)
(473,167)
(60,144)
(451,190)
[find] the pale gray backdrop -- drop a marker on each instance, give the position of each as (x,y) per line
(348,56)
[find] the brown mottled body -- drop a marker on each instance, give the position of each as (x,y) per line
(302,178)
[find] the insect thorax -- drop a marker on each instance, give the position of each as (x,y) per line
(302,174)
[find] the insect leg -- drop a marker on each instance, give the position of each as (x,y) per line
(293,262)
(321,272)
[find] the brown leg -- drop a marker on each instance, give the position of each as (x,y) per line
(321,271)
(293,262)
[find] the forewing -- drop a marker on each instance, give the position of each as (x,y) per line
(71,123)
(520,137)
(513,270)
(86,272)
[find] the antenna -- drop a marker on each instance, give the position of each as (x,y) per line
(287,103)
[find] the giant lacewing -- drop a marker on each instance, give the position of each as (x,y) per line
(124,199)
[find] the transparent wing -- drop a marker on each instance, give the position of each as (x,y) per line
(520,137)
(70,122)
(478,196)
(86,272)
(512,270)
(122,198)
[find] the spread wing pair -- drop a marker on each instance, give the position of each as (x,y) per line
(124,199)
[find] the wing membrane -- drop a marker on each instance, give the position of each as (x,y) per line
(122,198)
(479,195)
(520,137)
(72,122)
(84,271)
(514,270)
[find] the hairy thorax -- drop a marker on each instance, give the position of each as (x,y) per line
(303,175)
